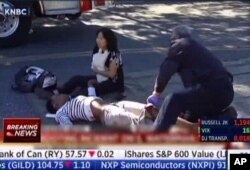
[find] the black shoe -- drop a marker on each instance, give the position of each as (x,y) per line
(187,115)
(229,113)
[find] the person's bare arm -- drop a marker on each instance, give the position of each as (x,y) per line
(63,119)
(97,109)
(110,72)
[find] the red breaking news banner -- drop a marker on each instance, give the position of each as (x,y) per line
(22,130)
(90,138)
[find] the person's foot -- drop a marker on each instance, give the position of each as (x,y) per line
(187,115)
(229,113)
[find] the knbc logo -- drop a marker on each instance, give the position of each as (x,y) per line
(22,130)
(16,11)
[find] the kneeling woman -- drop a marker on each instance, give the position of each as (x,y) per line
(107,65)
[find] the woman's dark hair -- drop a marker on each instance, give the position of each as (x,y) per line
(111,39)
(50,106)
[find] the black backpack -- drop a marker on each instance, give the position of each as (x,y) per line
(30,77)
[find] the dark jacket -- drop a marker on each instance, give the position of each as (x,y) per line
(193,62)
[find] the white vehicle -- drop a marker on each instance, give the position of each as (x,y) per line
(16,16)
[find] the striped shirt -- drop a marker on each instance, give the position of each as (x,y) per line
(76,109)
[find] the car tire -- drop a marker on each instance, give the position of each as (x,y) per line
(74,16)
(15,29)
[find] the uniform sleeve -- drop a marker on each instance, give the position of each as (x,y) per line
(63,119)
(168,67)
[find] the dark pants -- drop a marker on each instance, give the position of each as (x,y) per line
(203,100)
(78,85)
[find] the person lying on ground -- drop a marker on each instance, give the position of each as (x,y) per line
(124,114)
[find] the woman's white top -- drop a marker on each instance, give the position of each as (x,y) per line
(98,61)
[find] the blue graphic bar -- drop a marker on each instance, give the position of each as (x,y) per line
(113,164)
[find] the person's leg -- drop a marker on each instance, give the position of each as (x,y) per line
(131,106)
(105,87)
(221,93)
(184,124)
(145,112)
(198,100)
(74,82)
(115,116)
(121,91)
(168,113)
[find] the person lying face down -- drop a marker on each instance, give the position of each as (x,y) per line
(123,114)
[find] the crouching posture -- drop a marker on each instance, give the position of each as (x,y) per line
(208,90)
(90,109)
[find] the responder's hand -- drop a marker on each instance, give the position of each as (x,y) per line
(155,99)
(179,42)
(177,46)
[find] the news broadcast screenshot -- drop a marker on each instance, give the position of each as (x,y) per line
(124,85)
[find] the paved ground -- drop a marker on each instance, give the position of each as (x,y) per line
(143,32)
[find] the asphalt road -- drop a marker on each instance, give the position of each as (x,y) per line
(64,48)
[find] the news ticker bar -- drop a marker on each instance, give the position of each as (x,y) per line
(29,130)
(229,130)
(123,159)
(113,164)
(125,154)
(236,161)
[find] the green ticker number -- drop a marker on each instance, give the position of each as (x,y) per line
(246,130)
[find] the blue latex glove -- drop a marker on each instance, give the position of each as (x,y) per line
(156,101)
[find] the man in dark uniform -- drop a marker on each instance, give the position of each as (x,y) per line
(208,85)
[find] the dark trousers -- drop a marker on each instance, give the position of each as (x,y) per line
(78,85)
(204,100)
